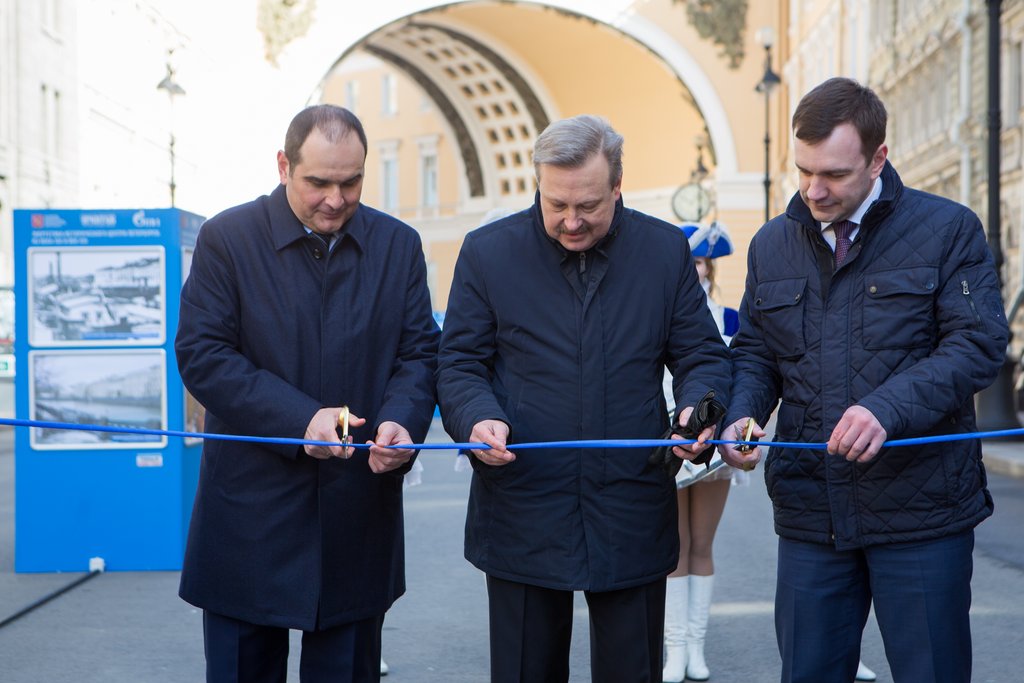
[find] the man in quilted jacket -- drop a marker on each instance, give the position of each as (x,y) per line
(873,312)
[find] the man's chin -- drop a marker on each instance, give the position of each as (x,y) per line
(329,227)
(823,216)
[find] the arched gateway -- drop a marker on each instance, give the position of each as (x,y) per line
(453,96)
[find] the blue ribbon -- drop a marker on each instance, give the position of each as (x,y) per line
(588,443)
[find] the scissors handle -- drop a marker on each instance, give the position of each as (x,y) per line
(343,423)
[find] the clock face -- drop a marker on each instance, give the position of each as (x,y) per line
(690,202)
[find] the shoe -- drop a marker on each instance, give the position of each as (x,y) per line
(697,626)
(864,673)
(676,604)
(383,667)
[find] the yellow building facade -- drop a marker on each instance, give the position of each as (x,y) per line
(454,97)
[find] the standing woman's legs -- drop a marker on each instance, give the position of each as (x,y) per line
(707,503)
(677,598)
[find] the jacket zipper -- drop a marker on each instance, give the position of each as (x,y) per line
(970,300)
(583,265)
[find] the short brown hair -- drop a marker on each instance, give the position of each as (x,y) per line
(333,121)
(838,101)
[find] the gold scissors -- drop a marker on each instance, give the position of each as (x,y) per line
(343,423)
(748,434)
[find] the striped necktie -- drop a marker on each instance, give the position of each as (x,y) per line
(842,230)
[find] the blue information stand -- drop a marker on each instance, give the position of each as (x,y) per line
(96,312)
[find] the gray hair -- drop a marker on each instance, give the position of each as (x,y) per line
(570,143)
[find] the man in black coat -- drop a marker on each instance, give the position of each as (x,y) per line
(560,323)
(297,304)
(874,312)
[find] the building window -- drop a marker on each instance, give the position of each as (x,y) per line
(55,124)
(49,120)
(388,95)
(1013,88)
(388,153)
(429,174)
(389,185)
(351,95)
(428,181)
(51,17)
(44,109)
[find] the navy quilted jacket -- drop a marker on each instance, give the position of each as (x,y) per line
(909,327)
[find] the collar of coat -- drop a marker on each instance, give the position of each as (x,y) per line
(892,189)
(285,226)
(613,231)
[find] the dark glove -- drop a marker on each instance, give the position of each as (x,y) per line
(708,412)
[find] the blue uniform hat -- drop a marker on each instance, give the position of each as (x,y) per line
(708,241)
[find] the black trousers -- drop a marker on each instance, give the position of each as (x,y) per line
(240,652)
(531,629)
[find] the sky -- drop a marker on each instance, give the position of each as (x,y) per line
(231,122)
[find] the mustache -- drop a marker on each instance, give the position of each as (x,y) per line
(562,230)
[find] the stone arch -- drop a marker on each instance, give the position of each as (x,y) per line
(488,104)
(480,155)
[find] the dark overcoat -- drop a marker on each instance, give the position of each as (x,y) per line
(909,327)
(272,329)
(573,345)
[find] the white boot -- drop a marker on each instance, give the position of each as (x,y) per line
(383,667)
(676,604)
(697,626)
(864,673)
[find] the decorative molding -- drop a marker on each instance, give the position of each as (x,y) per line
(282,21)
(526,93)
(721,21)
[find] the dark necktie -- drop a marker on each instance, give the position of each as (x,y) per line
(842,230)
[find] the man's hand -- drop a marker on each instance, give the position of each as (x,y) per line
(386,459)
(324,427)
(858,437)
(732,454)
(494,433)
(692,450)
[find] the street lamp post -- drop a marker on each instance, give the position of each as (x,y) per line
(173,90)
(769,80)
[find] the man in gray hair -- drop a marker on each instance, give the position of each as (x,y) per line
(560,322)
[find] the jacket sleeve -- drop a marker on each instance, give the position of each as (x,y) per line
(756,380)
(972,334)
(410,396)
(212,366)
(466,359)
(697,357)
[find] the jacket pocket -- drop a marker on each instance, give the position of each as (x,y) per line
(780,307)
(980,290)
(898,309)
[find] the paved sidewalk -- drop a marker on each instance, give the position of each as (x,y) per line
(1004,456)
(131,626)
